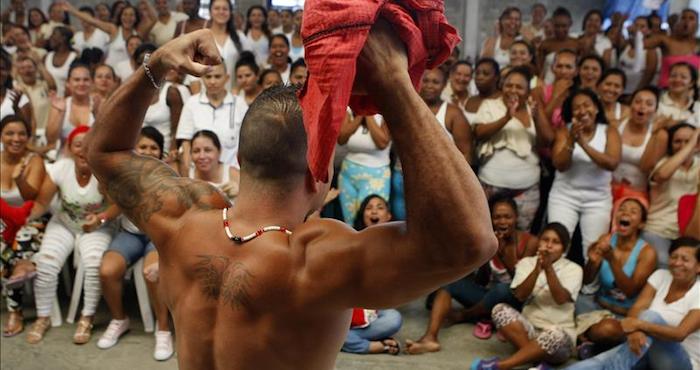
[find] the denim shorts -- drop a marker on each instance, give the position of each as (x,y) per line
(131,246)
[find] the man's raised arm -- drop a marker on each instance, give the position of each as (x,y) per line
(448,230)
(147,190)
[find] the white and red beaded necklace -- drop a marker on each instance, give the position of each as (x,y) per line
(242,239)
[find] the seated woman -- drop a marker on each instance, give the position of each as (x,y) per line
(513,245)
(609,88)
(548,284)
(127,247)
(681,101)
(80,222)
(206,149)
(673,177)
(590,69)
(371,331)
(622,263)
(21,175)
(269,78)
(663,325)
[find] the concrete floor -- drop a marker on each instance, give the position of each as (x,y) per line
(134,351)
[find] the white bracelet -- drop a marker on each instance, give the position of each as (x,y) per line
(146,59)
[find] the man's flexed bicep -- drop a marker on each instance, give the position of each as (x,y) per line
(152,195)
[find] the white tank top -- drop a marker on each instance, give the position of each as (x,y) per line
(362,149)
(584,174)
(626,64)
(158,115)
(225,177)
(116,50)
(12,196)
(60,73)
(501,56)
(628,169)
(67,125)
(441,117)
(548,74)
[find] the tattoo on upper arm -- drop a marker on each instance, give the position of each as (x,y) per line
(221,278)
(141,187)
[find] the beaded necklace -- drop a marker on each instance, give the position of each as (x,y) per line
(242,239)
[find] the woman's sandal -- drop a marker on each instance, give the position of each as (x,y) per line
(83,332)
(38,330)
(14,324)
(391,346)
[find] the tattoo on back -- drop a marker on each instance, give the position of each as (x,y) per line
(143,184)
(221,278)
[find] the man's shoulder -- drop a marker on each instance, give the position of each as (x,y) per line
(317,229)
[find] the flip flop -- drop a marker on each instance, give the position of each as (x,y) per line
(18,281)
(388,347)
(482,330)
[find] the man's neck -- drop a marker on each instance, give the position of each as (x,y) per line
(216,98)
(288,29)
(164,17)
(258,208)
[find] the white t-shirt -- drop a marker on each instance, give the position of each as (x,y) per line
(689,113)
(674,312)
(7,107)
(198,114)
(99,39)
(540,308)
(76,201)
(362,149)
(259,47)
(164,32)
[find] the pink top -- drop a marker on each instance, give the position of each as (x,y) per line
(670,60)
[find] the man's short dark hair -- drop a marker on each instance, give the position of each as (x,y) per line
(273,139)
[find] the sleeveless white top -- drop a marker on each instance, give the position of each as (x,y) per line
(225,177)
(501,56)
(116,50)
(362,149)
(259,47)
(584,174)
(628,169)
(158,114)
(67,125)
(60,73)
(441,117)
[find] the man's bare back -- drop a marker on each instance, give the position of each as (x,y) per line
(279,301)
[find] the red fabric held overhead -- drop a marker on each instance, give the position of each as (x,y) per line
(334,32)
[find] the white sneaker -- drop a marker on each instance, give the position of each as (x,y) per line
(116,329)
(164,345)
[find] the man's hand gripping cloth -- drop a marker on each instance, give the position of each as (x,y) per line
(334,33)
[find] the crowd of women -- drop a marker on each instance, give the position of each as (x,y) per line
(595,131)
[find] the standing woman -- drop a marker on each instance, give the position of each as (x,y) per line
(59,60)
(58,17)
(194,22)
(562,40)
(585,153)
(681,101)
(257,33)
(486,78)
(103,12)
(365,170)
(610,87)
(228,39)
(590,69)
(508,132)
(246,81)
(594,41)
(296,47)
(640,65)
(74,111)
(522,54)
(460,78)
(36,19)
(21,175)
(164,115)
(105,82)
(81,219)
(279,56)
(128,23)
(674,176)
(12,102)
(498,47)
(205,152)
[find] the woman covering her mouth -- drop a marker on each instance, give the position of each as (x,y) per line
(621,262)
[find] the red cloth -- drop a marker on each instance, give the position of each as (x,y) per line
(686,207)
(334,32)
(13,218)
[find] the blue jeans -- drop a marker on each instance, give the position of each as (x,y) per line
(387,324)
(657,354)
(660,245)
(468,293)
